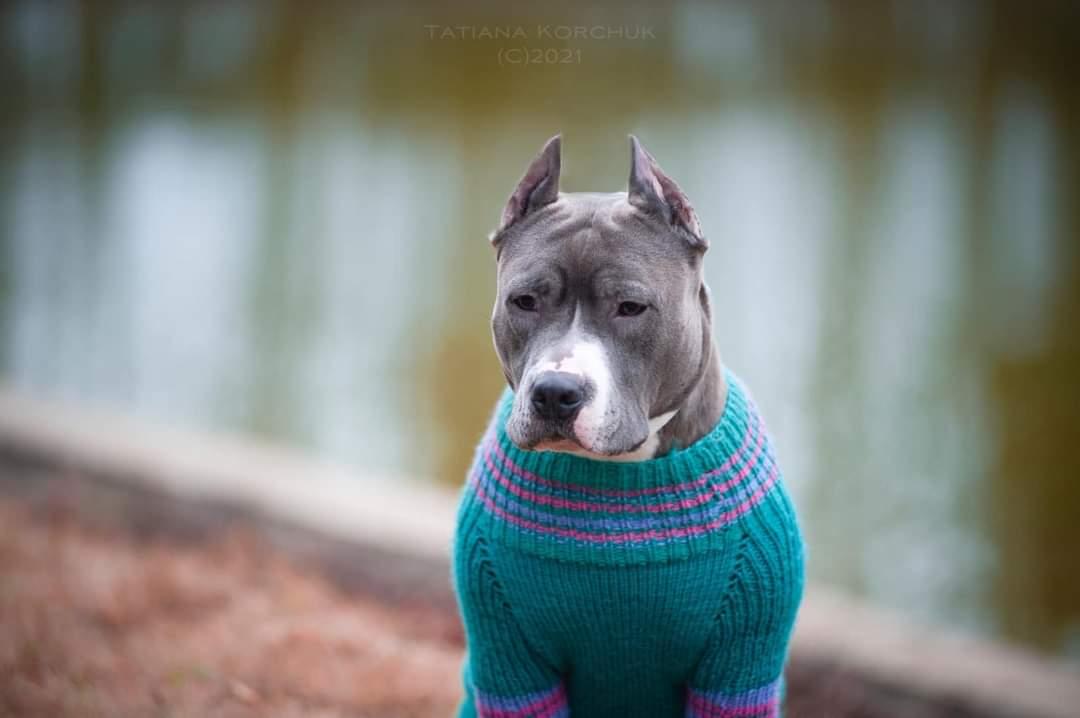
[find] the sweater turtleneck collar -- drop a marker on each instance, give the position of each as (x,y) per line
(553,503)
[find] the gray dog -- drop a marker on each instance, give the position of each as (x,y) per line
(625,545)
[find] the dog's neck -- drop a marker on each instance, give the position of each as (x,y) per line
(700,412)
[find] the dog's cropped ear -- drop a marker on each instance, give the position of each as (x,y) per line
(538,187)
(653,191)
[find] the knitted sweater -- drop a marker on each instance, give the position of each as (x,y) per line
(659,588)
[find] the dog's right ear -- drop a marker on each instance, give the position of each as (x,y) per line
(651,189)
(538,187)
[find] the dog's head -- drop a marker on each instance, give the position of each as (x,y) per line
(601,318)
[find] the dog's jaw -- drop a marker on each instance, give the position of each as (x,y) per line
(646,451)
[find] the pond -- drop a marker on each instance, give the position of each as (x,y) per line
(274,222)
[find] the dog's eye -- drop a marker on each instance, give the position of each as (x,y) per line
(525,302)
(631,309)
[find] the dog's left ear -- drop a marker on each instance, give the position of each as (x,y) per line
(650,189)
(538,187)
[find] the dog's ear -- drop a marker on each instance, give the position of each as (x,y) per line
(653,191)
(538,187)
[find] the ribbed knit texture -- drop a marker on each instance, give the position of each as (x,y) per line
(659,588)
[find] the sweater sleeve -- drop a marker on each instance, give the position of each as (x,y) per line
(504,676)
(741,671)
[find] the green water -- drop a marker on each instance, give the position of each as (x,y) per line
(272,220)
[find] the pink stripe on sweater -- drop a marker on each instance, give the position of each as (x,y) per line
(597,506)
(631,536)
(697,483)
(704,708)
(624,493)
(543,707)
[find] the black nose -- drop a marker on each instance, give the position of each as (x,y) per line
(557,396)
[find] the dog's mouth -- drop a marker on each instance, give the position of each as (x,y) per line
(556,437)
(562,440)
(559,443)
(616,438)
(570,445)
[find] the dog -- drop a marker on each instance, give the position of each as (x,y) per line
(625,545)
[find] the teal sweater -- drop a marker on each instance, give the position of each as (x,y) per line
(660,588)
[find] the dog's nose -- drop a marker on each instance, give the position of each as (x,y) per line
(557,396)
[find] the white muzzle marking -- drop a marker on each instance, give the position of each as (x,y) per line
(588,360)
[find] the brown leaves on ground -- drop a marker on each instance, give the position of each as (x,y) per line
(96,623)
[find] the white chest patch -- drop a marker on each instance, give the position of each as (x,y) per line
(648,449)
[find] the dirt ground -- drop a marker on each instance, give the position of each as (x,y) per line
(95,623)
(105,611)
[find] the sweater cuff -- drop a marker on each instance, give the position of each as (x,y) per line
(543,704)
(763,702)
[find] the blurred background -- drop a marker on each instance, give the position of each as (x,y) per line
(270,218)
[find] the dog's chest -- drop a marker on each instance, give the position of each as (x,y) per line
(618,619)
(625,638)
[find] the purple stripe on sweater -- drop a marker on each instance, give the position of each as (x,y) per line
(754,695)
(759,702)
(698,707)
(544,704)
(492,439)
(632,536)
(523,476)
(692,517)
